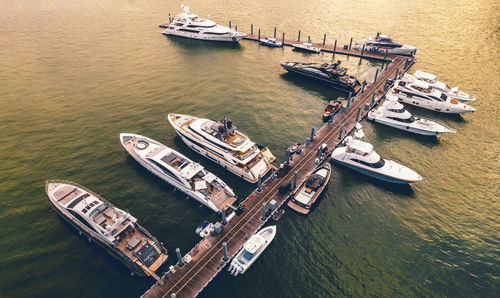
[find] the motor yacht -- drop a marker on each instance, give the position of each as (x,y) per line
(251,250)
(333,75)
(359,155)
(190,25)
(306,47)
(451,92)
(419,93)
(222,143)
(270,42)
(111,228)
(179,171)
(381,43)
(393,114)
(310,190)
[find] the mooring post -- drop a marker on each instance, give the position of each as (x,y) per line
(224,249)
(357,115)
(335,46)
(385,54)
(235,27)
(312,134)
(350,44)
(251,28)
(396,75)
(331,119)
(367,106)
(263,211)
(386,65)
(349,99)
(373,98)
(283,40)
(376,74)
(259,183)
(341,130)
(246,236)
(229,24)
(363,50)
(223,214)
(178,252)
(274,31)
(307,142)
(288,155)
(295,179)
(298,39)
(309,39)
(324,38)
(259,33)
(386,84)
(363,87)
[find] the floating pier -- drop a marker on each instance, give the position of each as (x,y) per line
(212,254)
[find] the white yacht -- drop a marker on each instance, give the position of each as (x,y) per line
(182,173)
(306,47)
(270,42)
(220,142)
(419,93)
(190,25)
(251,250)
(359,155)
(308,193)
(109,227)
(382,42)
(451,92)
(393,114)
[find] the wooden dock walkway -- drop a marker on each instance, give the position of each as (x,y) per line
(207,256)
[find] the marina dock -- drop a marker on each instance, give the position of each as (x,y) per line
(208,257)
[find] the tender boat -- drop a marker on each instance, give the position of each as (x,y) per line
(393,114)
(381,43)
(331,109)
(220,142)
(306,47)
(278,214)
(330,74)
(251,250)
(359,155)
(179,171)
(111,228)
(190,25)
(308,193)
(451,92)
(270,42)
(419,93)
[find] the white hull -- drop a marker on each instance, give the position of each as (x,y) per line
(433,130)
(237,267)
(442,107)
(202,36)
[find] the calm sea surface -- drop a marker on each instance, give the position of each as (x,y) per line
(75,74)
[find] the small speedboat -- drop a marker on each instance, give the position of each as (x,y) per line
(204,229)
(359,156)
(310,190)
(331,109)
(270,42)
(278,214)
(251,250)
(306,47)
(393,114)
(451,92)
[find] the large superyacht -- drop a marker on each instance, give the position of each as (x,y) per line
(111,228)
(178,170)
(190,25)
(220,142)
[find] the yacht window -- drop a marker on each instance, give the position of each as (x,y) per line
(376,165)
(444,97)
(397,110)
(77,200)
(435,98)
(189,30)
(165,170)
(216,33)
(402,84)
(407,120)
(247,255)
(81,220)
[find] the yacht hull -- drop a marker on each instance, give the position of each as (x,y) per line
(334,84)
(409,127)
(442,107)
(198,36)
(372,174)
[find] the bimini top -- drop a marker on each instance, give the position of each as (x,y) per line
(254,243)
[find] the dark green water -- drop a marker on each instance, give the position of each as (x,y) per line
(74,74)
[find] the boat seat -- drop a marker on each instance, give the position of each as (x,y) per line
(133,243)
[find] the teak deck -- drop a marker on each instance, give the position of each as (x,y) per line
(191,279)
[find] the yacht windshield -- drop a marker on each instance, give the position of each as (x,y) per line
(397,110)
(247,255)
(444,97)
